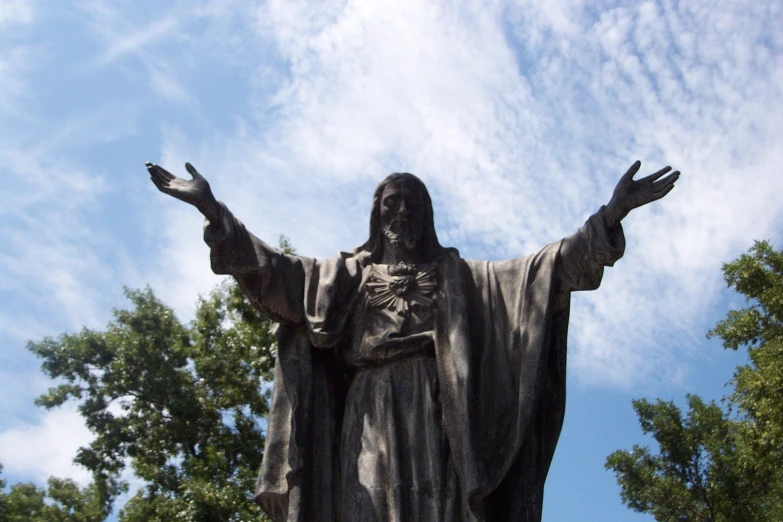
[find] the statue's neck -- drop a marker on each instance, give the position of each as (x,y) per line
(394,254)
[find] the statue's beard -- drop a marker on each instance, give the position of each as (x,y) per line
(403,233)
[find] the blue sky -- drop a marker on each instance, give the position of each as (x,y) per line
(519,116)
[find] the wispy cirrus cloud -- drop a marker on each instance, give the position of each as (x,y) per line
(49,246)
(13,63)
(666,84)
(131,41)
(132,38)
(521,118)
(14,55)
(169,43)
(54,247)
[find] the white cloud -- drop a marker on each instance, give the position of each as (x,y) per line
(14,12)
(520,118)
(130,40)
(163,81)
(521,131)
(712,110)
(14,63)
(15,58)
(40,451)
(50,255)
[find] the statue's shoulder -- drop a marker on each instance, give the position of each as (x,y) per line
(359,258)
(354,263)
(451,261)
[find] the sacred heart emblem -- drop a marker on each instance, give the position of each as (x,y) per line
(401,288)
(401,285)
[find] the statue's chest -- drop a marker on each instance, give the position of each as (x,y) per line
(402,290)
(395,318)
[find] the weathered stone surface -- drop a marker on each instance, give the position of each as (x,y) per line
(412,384)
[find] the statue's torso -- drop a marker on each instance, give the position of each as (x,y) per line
(395,461)
(394,319)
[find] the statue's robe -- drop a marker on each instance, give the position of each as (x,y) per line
(500,332)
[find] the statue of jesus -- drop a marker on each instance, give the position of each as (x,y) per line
(410,383)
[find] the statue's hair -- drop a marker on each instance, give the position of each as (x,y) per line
(429,239)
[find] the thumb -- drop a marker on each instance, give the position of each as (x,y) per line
(193,172)
(628,176)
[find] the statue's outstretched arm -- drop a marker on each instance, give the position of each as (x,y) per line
(195,191)
(630,194)
(273,281)
(600,242)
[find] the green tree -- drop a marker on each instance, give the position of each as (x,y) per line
(182,405)
(758,385)
(62,501)
(721,463)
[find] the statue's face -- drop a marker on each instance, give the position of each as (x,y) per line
(402,213)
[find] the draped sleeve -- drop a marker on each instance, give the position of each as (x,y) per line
(290,289)
(583,255)
(272,280)
(501,347)
(312,300)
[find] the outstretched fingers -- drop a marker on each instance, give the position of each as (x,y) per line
(658,194)
(656,175)
(159,173)
(666,183)
(161,177)
(163,173)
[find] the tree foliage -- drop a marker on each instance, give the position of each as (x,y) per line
(758,385)
(62,501)
(182,405)
(721,463)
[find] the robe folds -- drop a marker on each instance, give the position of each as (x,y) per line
(500,331)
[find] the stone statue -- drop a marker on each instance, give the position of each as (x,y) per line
(412,384)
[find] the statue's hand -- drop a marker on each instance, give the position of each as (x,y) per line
(630,194)
(195,191)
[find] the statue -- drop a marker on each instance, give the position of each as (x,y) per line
(412,384)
